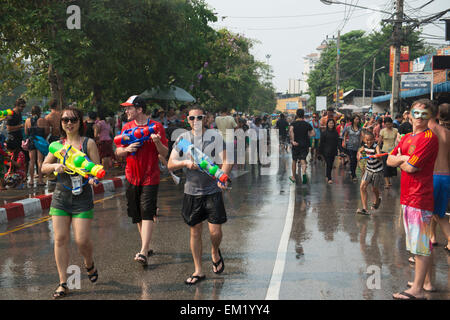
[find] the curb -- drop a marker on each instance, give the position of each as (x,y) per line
(38,204)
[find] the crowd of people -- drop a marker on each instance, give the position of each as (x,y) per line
(415,141)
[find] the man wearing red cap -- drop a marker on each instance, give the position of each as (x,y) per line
(142,172)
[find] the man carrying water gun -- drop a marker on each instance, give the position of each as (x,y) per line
(142,170)
(203,198)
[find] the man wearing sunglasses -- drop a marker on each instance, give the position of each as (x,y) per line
(416,154)
(142,172)
(203,198)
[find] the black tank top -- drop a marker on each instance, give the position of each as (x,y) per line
(34,129)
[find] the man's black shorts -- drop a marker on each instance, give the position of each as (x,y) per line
(299,153)
(141,202)
(199,208)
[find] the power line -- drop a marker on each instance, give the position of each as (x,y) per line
(304,26)
(283,17)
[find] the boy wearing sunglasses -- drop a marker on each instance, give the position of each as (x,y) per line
(203,198)
(415,155)
(142,172)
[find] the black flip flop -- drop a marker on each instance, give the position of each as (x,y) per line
(196,278)
(447,249)
(410,296)
(142,259)
(216,264)
(363,212)
(376,205)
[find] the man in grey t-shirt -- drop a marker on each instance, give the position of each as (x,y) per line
(202,194)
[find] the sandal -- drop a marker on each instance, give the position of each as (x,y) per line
(190,280)
(292,179)
(216,264)
(412,260)
(61,294)
(376,205)
(409,296)
(141,259)
(363,212)
(94,276)
(446,248)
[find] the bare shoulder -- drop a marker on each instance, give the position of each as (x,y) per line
(91,143)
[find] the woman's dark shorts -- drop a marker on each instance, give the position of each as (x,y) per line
(141,201)
(196,209)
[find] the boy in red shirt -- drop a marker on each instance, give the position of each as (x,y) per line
(415,155)
(142,172)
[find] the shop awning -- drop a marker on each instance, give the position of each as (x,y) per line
(440,87)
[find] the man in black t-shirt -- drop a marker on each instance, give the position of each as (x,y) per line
(14,123)
(300,131)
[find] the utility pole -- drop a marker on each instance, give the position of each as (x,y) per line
(364,87)
(373,80)
(337,67)
(395,97)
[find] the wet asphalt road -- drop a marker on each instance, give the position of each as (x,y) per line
(329,249)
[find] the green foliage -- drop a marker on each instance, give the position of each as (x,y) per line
(357,52)
(123,48)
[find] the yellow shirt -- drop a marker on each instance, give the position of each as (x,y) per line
(389,137)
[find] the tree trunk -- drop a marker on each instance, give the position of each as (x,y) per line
(56,85)
(97,99)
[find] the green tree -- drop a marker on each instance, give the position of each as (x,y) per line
(357,53)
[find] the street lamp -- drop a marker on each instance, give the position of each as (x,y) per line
(330,2)
(373,80)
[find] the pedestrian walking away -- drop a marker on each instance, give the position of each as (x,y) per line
(300,131)
(282,125)
(142,173)
(203,199)
(36,126)
(71,208)
(316,139)
(54,121)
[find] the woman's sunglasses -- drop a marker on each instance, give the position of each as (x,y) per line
(72,120)
(423,114)
(192,118)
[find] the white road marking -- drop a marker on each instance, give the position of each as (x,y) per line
(273,292)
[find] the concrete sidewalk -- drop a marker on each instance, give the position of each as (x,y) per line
(29,201)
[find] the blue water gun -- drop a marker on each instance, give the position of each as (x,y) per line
(205,163)
(136,134)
